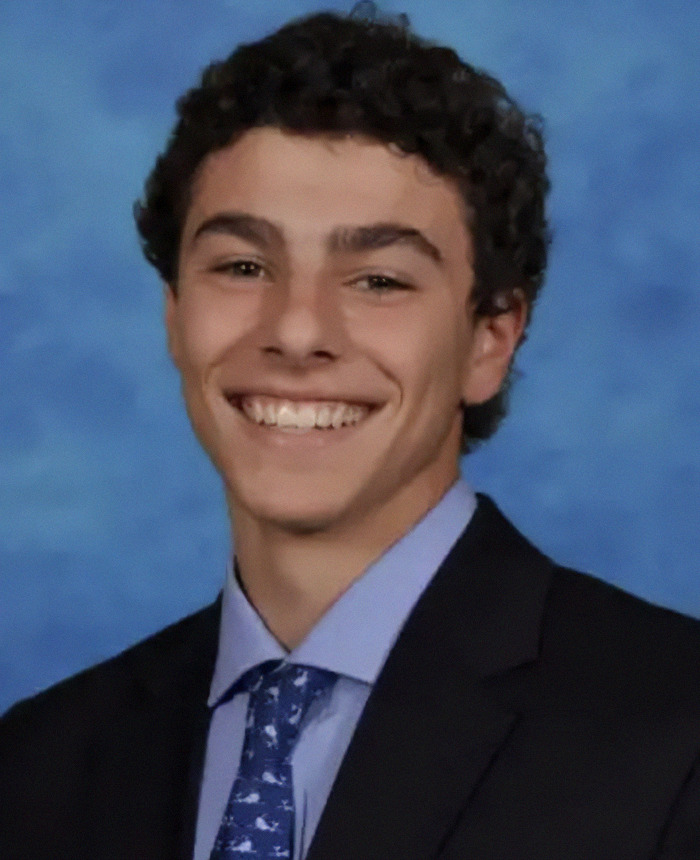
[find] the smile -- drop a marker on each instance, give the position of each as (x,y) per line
(287,414)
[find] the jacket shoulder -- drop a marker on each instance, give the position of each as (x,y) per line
(111,747)
(636,652)
(102,688)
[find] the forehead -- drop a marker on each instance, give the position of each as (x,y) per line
(317,182)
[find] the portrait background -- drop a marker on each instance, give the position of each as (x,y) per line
(112,522)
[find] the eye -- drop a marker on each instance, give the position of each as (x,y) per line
(381,284)
(241,269)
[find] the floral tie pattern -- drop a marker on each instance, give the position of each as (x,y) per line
(259,818)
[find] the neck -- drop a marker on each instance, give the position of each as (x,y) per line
(292,578)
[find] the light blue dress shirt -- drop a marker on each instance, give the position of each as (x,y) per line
(352,639)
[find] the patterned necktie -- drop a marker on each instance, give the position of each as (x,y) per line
(259,818)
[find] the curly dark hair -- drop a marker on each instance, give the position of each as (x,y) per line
(333,74)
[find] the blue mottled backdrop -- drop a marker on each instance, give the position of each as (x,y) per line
(111,520)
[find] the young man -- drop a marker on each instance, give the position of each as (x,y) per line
(350,226)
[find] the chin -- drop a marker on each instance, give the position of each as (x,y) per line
(304,525)
(296,522)
(281,510)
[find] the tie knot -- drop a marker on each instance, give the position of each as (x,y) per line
(253,679)
(280,695)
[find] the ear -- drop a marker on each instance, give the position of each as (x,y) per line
(170,311)
(494,340)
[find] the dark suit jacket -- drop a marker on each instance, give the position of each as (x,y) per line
(527,712)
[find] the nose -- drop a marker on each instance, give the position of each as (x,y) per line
(301,323)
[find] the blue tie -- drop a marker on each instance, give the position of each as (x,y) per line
(259,817)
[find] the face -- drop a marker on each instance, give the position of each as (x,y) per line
(324,333)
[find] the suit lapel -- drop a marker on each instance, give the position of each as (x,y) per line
(430,730)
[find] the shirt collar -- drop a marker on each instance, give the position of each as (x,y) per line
(355,635)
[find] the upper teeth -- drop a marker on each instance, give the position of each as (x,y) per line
(301,414)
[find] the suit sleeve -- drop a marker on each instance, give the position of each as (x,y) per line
(681,837)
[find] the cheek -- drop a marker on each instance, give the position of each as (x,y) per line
(422,351)
(208,330)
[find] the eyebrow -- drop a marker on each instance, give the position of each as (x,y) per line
(353,240)
(374,236)
(259,231)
